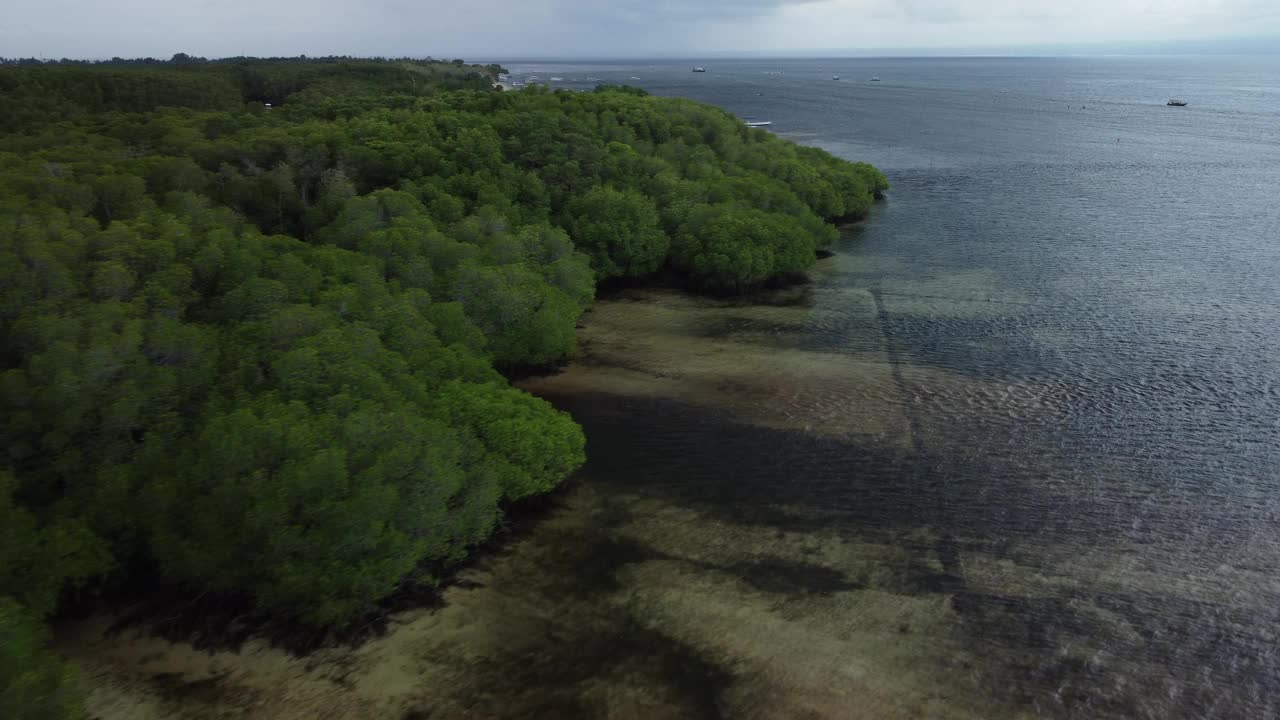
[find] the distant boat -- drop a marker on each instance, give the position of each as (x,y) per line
(875,79)
(835,77)
(1177,103)
(759,123)
(699,68)
(633,77)
(557,79)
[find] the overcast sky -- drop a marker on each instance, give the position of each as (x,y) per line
(498,29)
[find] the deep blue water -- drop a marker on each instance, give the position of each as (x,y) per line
(1098,277)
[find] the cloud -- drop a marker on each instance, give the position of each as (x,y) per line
(514,28)
(868,24)
(664,12)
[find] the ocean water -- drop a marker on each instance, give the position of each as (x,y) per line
(1044,378)
(1013,453)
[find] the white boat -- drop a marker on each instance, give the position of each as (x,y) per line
(835,77)
(875,79)
(759,123)
(633,77)
(699,68)
(557,79)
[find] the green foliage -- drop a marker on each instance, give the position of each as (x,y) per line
(526,320)
(619,230)
(729,247)
(259,350)
(34,683)
(319,512)
(37,562)
(34,91)
(522,452)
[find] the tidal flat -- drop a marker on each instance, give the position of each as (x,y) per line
(772,524)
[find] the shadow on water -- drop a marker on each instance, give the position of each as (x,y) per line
(800,481)
(1074,649)
(784,577)
(552,681)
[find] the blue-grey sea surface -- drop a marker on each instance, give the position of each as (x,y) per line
(1073,293)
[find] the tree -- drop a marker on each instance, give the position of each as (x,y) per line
(729,247)
(34,683)
(526,321)
(528,446)
(315,514)
(37,562)
(259,351)
(618,230)
(118,196)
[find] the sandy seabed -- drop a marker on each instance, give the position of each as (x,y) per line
(676,579)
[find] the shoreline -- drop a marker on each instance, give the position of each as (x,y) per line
(637,593)
(214,622)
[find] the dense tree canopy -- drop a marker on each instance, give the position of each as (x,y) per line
(619,230)
(35,684)
(258,351)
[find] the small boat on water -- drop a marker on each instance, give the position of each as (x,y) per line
(1177,103)
(699,68)
(875,79)
(835,77)
(557,79)
(759,123)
